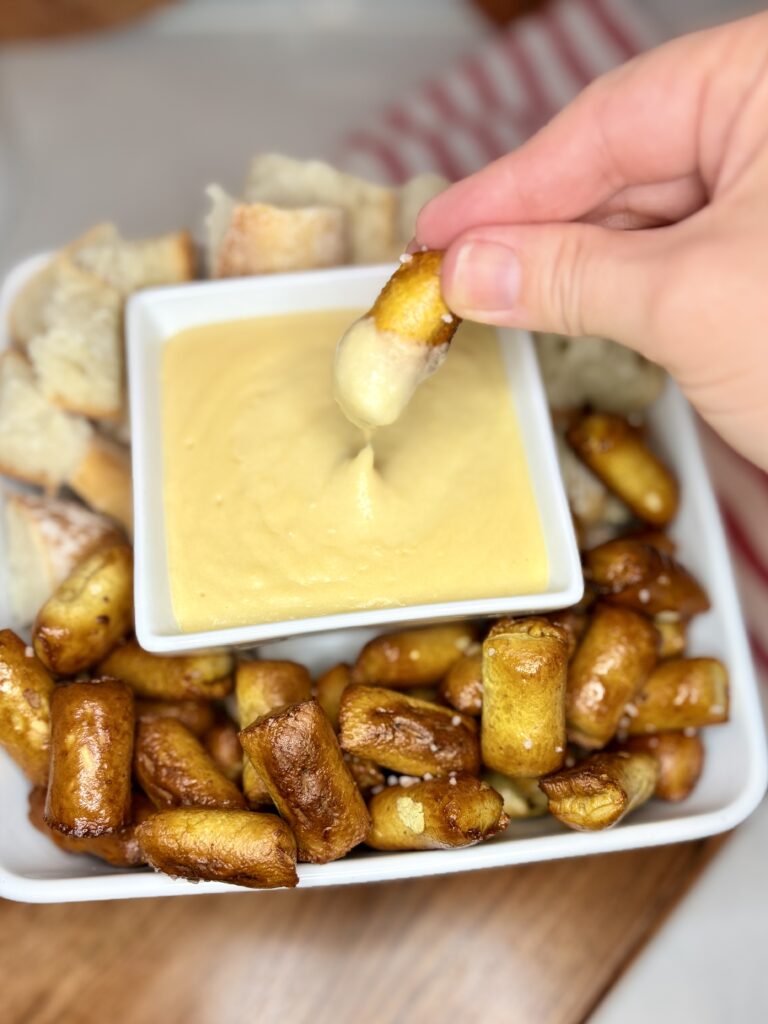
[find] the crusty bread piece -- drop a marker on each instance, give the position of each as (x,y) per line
(371,209)
(596,372)
(46,539)
(39,443)
(256,238)
(78,353)
(102,479)
(130,265)
(126,266)
(411,197)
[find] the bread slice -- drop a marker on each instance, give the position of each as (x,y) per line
(130,265)
(78,353)
(411,197)
(257,238)
(371,209)
(46,539)
(39,443)
(102,478)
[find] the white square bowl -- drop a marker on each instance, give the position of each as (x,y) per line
(155,315)
(32,869)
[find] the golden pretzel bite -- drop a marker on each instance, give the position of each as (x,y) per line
(405,734)
(682,693)
(462,687)
(328,689)
(261,687)
(89,788)
(25,707)
(619,456)
(436,815)
(525,667)
(198,715)
(257,851)
(680,758)
(413,657)
(627,572)
(612,662)
(88,613)
(296,753)
(601,790)
(222,743)
(196,676)
(175,770)
(401,341)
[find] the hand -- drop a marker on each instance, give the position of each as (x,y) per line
(640,213)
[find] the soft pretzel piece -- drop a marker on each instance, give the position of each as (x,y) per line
(371,210)
(47,538)
(258,238)
(401,341)
(39,443)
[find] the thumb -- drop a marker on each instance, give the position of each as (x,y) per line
(566,278)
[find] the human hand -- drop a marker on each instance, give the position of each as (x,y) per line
(639,213)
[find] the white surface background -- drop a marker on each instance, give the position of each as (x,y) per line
(185,99)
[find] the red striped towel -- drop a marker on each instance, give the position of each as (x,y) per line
(491,102)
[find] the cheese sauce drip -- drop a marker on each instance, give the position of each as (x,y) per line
(277,507)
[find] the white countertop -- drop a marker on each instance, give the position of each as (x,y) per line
(185,100)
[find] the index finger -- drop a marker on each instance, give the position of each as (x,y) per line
(640,124)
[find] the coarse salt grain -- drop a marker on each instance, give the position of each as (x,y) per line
(375,790)
(558,750)
(491,651)
(406,257)
(427,776)
(433,747)
(392,780)
(424,248)
(644,595)
(717,709)
(452,780)
(689,731)
(455,720)
(528,743)
(447,318)
(29,652)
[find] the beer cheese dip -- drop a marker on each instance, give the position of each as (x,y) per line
(278,508)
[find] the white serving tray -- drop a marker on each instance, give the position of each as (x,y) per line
(155,315)
(733,782)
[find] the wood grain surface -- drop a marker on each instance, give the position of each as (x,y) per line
(528,945)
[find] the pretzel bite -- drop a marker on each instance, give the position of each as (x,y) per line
(223,745)
(525,667)
(672,636)
(599,791)
(257,851)
(413,657)
(296,753)
(328,689)
(192,676)
(88,613)
(367,775)
(574,621)
(522,797)
(261,687)
(680,758)
(642,577)
(619,456)
(436,815)
(407,735)
(682,693)
(462,688)
(175,770)
(121,848)
(25,707)
(198,715)
(400,341)
(613,661)
(89,788)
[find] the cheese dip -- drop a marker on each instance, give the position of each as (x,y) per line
(277,507)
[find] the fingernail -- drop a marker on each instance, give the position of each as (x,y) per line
(486,278)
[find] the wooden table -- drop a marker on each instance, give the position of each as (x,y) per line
(528,945)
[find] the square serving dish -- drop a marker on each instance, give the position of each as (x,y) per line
(733,781)
(156,315)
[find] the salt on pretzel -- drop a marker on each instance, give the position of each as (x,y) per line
(400,341)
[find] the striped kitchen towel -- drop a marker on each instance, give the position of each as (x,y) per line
(490,103)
